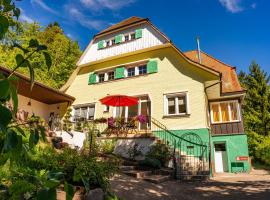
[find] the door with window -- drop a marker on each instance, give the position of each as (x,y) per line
(143,108)
(221,160)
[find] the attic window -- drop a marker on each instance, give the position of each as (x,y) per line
(113,41)
(133,36)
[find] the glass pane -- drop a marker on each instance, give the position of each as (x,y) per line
(83,112)
(120,112)
(132,111)
(215,111)
(224,112)
(182,104)
(234,115)
(91,112)
(77,112)
(171,105)
(131,71)
(145,112)
(110,75)
(142,70)
(101,77)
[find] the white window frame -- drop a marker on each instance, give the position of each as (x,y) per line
(176,95)
(82,106)
(229,110)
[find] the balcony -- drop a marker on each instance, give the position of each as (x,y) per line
(227,128)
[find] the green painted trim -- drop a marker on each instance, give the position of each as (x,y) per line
(118,38)
(119,72)
(92,78)
(101,44)
(138,33)
(152,66)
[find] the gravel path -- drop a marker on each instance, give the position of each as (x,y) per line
(255,185)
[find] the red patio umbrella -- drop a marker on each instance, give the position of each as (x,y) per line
(119,100)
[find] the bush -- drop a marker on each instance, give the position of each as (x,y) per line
(107,146)
(150,162)
(254,141)
(263,151)
(159,152)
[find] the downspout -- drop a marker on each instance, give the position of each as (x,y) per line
(210,142)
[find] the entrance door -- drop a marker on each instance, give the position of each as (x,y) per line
(221,162)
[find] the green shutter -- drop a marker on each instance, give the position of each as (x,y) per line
(92,78)
(119,72)
(138,33)
(118,38)
(152,66)
(101,44)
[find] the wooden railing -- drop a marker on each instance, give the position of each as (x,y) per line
(227,128)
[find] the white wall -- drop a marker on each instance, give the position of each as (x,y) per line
(150,38)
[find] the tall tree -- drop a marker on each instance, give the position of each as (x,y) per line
(65,52)
(256,109)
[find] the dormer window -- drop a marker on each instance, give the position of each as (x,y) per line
(132,36)
(126,38)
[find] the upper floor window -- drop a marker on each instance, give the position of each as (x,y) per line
(111,75)
(113,41)
(126,38)
(142,69)
(132,36)
(107,43)
(225,111)
(176,104)
(101,77)
(131,71)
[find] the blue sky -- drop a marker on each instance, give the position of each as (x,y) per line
(234,31)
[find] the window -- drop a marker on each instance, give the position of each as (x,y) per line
(175,104)
(113,41)
(111,75)
(132,35)
(84,112)
(142,69)
(225,111)
(101,78)
(126,38)
(131,71)
(107,43)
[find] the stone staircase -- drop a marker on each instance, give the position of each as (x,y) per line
(150,175)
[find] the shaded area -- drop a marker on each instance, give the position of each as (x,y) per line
(230,186)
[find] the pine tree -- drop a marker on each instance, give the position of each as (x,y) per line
(256,109)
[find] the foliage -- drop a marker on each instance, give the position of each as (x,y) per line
(134,151)
(150,162)
(67,123)
(256,112)
(256,107)
(107,146)
(159,152)
(63,50)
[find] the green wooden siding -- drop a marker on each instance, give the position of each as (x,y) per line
(152,66)
(101,44)
(138,33)
(92,78)
(118,38)
(119,72)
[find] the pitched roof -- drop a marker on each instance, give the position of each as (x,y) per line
(40,92)
(230,81)
(126,22)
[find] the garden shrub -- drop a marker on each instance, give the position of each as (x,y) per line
(263,151)
(107,146)
(159,152)
(150,162)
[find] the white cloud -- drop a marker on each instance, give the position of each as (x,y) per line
(85,20)
(24,17)
(232,6)
(106,4)
(253,5)
(43,5)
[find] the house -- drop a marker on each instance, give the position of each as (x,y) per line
(191,97)
(41,101)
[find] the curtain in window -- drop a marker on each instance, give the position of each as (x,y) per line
(215,110)
(171,106)
(83,112)
(234,115)
(182,104)
(224,112)
(91,112)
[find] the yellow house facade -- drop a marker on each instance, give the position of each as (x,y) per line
(191,94)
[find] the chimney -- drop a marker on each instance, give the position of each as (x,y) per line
(199,50)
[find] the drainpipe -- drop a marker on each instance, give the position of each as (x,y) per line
(210,142)
(199,49)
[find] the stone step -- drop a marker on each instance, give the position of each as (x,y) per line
(127,167)
(157,178)
(137,173)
